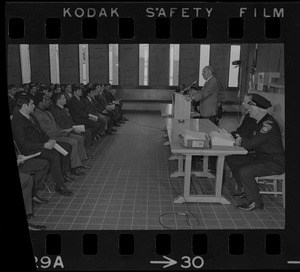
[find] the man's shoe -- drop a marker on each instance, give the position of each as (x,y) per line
(124,118)
(112,129)
(121,122)
(110,133)
(252,206)
(38,200)
(63,191)
(36,227)
(241,195)
(86,166)
(77,171)
(89,156)
(116,125)
(68,177)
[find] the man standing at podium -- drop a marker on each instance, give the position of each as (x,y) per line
(208,99)
(208,95)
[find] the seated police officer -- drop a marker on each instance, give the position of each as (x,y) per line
(267,157)
(247,124)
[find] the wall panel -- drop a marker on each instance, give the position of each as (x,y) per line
(69,63)
(189,58)
(40,63)
(159,57)
(271,59)
(98,63)
(219,60)
(129,65)
(14,75)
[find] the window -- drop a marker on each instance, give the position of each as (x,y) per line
(144,64)
(83,63)
(25,63)
(54,63)
(204,61)
(233,80)
(114,64)
(174,65)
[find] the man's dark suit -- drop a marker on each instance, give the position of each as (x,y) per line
(91,108)
(101,108)
(110,98)
(30,139)
(40,169)
(63,118)
(11,103)
(80,116)
(27,185)
(102,103)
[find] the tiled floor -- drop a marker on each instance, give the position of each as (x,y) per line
(129,188)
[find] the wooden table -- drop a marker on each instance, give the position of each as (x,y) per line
(174,128)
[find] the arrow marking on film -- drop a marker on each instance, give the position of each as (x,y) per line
(167,263)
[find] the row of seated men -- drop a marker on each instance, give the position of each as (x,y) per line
(40,124)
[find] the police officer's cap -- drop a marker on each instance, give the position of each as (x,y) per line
(260,101)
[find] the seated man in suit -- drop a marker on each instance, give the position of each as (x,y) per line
(100,104)
(31,139)
(87,100)
(53,131)
(32,90)
(110,108)
(36,167)
(27,185)
(67,90)
(64,120)
(111,99)
(80,116)
(267,158)
(11,97)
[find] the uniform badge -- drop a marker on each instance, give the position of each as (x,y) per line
(268,122)
(266,127)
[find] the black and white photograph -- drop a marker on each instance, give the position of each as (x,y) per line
(159,136)
(152,135)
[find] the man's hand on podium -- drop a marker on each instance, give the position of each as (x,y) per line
(188,98)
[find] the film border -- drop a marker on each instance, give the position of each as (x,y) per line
(217,256)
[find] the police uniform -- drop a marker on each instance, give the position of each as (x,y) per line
(246,128)
(267,158)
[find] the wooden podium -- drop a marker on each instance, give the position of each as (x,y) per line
(181,107)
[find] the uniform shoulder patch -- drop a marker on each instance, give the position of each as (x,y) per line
(265,128)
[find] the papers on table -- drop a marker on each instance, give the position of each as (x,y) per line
(194,135)
(58,148)
(81,128)
(221,138)
(195,139)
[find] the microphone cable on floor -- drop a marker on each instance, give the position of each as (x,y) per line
(187,215)
(143,125)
